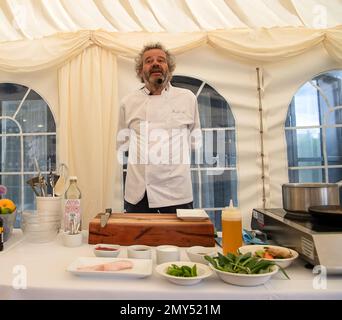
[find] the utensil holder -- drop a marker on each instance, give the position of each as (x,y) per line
(49,206)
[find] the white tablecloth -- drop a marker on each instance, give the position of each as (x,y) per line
(47,278)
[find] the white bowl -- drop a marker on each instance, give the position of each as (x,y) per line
(112,252)
(245,280)
(197,253)
(203,272)
(283,263)
(139,252)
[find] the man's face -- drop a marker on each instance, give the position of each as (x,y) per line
(154,66)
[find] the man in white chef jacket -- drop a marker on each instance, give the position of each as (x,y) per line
(158,125)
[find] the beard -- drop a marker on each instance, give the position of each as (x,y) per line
(157,81)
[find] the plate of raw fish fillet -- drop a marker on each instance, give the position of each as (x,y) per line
(111,267)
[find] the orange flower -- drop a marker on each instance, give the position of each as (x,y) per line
(7,206)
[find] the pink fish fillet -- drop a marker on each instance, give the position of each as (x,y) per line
(110,266)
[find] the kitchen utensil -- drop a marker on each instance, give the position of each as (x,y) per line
(61,182)
(298,197)
(41,179)
(33,184)
(105,217)
(328,214)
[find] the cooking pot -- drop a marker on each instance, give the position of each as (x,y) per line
(298,197)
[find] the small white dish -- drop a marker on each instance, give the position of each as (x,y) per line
(107,250)
(72,240)
(192,214)
(245,280)
(203,272)
(197,253)
(141,268)
(283,263)
(139,252)
(166,253)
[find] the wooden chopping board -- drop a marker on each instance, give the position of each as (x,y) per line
(151,229)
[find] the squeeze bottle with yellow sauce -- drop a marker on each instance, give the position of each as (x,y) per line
(231,229)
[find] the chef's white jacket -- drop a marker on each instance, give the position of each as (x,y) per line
(158,131)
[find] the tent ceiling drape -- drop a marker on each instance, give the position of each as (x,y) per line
(253,46)
(82,39)
(33,19)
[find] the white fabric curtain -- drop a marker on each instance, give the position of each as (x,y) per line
(87,115)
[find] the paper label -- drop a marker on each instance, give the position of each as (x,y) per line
(72,213)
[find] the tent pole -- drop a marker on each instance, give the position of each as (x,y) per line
(261,126)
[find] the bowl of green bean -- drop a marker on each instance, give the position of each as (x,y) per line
(184,273)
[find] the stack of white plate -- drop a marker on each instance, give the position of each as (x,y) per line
(40,228)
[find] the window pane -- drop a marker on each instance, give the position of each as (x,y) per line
(214,110)
(43,148)
(8,126)
(215,217)
(335,175)
(219,148)
(304,147)
(10,154)
(10,98)
(187,83)
(303,109)
(334,146)
(195,188)
(307,175)
(218,188)
(335,117)
(29,195)
(331,84)
(35,115)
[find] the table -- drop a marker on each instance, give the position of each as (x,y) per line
(47,279)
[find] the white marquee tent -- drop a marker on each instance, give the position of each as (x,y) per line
(78,55)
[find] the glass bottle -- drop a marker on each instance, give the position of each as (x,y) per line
(72,207)
(231,229)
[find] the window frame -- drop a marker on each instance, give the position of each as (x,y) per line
(21,206)
(323,126)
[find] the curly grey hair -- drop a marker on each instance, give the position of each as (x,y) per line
(139,59)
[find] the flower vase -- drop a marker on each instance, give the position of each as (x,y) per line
(8,220)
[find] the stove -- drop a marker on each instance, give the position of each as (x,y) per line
(316,243)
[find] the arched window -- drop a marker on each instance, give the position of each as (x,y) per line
(313,130)
(27,132)
(214,181)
